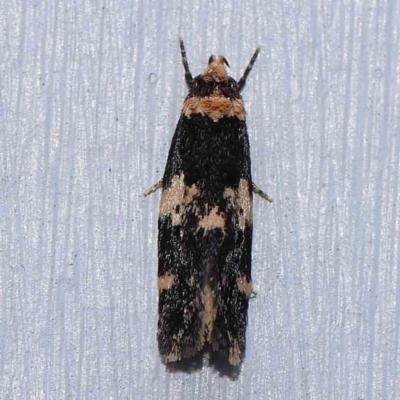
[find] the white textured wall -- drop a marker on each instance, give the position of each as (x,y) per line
(90,93)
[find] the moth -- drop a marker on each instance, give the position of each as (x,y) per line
(205,220)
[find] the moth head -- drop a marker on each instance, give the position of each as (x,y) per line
(216,69)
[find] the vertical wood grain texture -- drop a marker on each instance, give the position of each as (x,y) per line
(90,93)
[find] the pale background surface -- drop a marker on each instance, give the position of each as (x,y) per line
(90,93)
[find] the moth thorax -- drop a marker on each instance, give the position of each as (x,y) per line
(216,69)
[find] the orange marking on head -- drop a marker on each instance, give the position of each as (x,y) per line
(216,69)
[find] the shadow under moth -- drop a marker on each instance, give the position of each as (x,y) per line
(205,220)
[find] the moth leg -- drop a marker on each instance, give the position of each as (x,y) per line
(263,195)
(188,75)
(242,80)
(153,189)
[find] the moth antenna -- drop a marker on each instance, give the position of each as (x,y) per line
(226,62)
(242,80)
(188,75)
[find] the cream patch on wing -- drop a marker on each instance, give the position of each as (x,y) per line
(174,354)
(175,197)
(215,219)
(166,281)
(241,200)
(207,316)
(244,285)
(234,351)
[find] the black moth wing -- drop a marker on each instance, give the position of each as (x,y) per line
(205,226)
